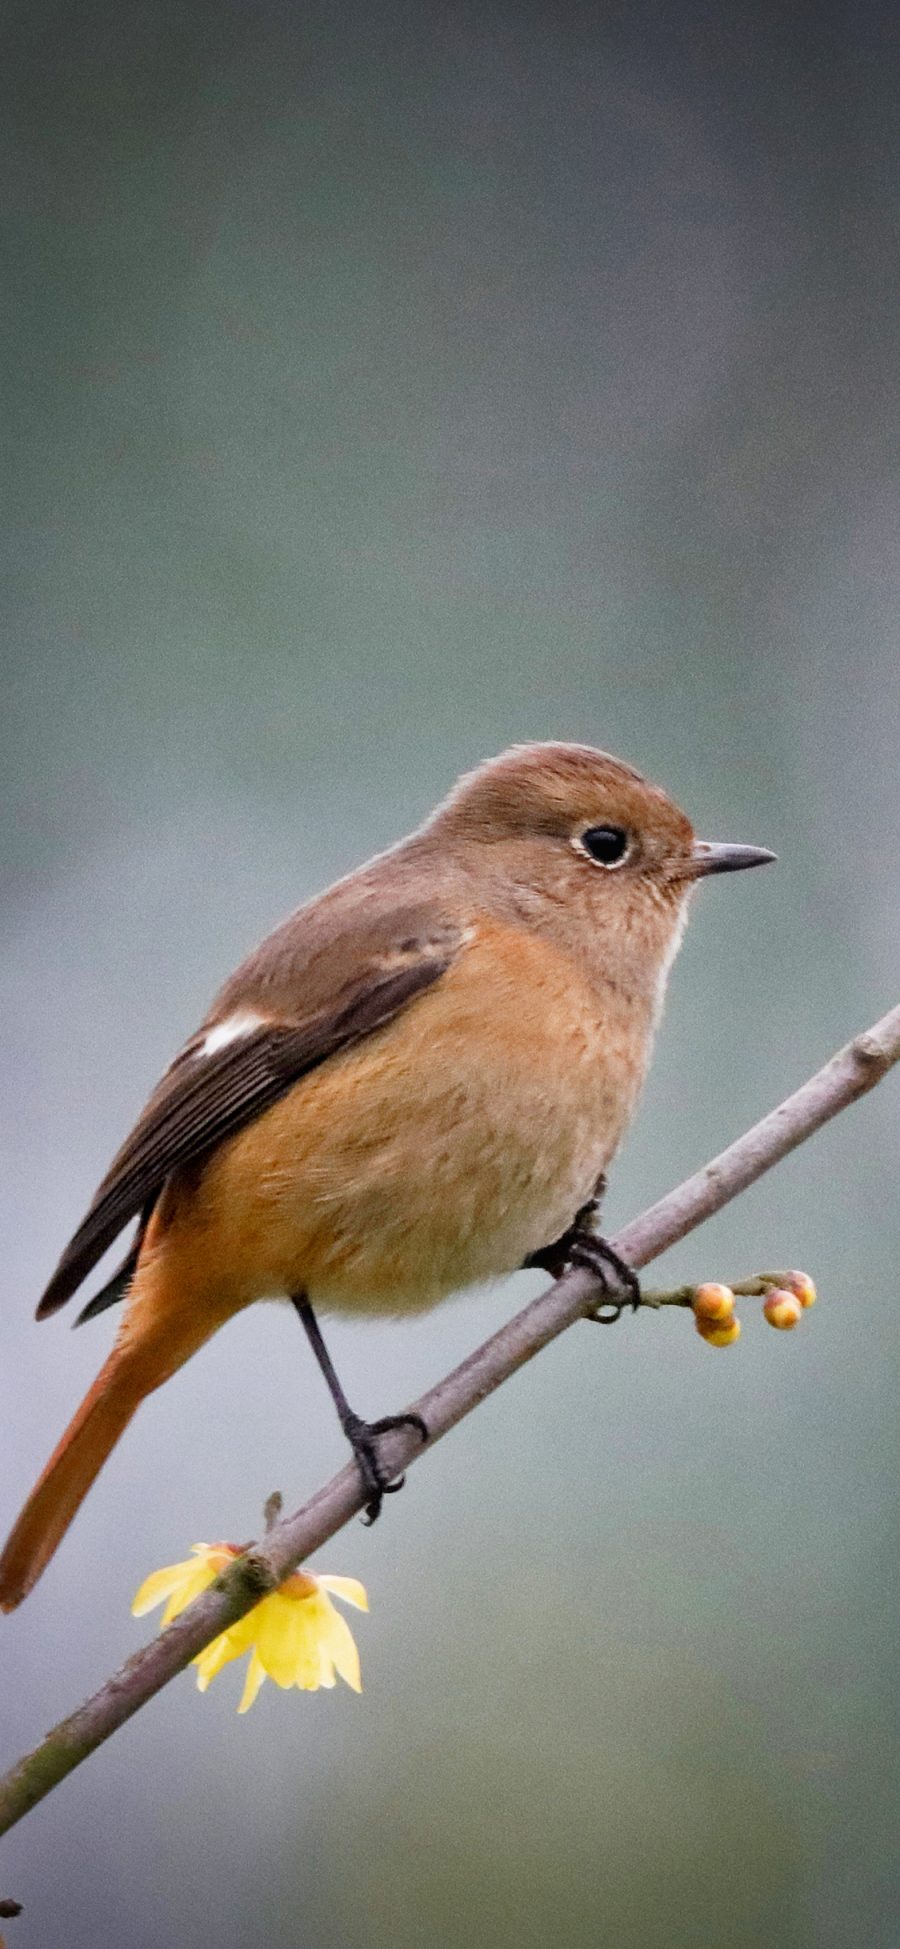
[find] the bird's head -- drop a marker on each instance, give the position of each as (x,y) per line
(574,834)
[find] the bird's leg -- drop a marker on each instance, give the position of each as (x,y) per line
(362,1435)
(583,1245)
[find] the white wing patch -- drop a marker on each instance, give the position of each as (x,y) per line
(245,1022)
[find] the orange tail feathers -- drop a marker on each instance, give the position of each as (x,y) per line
(76,1461)
(159,1333)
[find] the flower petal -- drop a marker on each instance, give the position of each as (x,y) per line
(245,1630)
(320,1619)
(327,1646)
(211,1659)
(280,1634)
(198,1576)
(160,1584)
(256,1673)
(349,1588)
(342,1650)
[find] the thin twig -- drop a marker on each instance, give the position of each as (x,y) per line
(272,1508)
(849,1074)
(756,1288)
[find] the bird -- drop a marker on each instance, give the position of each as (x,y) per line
(417,1082)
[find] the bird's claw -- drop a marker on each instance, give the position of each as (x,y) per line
(601,1259)
(363,1439)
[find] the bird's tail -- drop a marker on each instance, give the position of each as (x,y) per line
(166,1322)
(103,1416)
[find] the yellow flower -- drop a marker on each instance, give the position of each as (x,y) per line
(294,1635)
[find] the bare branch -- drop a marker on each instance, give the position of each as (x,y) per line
(854,1070)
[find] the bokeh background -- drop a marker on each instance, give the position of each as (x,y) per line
(386,382)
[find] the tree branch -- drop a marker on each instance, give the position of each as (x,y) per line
(854,1070)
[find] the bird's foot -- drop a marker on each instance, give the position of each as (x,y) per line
(363,1438)
(583,1245)
(601,1259)
(556,1257)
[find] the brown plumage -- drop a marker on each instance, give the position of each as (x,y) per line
(414,1083)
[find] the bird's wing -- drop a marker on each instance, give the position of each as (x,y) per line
(215,1086)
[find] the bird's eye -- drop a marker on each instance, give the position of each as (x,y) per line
(608,845)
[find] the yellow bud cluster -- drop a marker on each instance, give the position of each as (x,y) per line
(720,1336)
(786,1296)
(787,1300)
(714,1315)
(713,1302)
(782,1309)
(801,1285)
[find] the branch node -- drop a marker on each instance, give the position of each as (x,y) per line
(250,1574)
(870,1050)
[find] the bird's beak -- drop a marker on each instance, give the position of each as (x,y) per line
(718,856)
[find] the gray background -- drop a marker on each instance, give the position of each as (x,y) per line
(385,383)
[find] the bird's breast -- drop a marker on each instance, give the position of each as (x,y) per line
(440,1151)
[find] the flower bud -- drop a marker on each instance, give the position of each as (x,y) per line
(719,1333)
(782,1308)
(713,1302)
(802,1286)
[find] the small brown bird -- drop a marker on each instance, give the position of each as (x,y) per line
(416,1082)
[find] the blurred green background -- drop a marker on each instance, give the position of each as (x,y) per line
(385,383)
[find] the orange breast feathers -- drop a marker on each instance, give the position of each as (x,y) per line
(438,1152)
